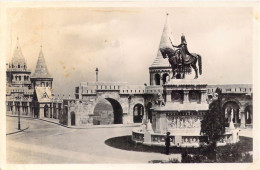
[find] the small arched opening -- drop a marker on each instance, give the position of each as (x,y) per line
(46,110)
(73,118)
(157,78)
(165,78)
(138,113)
(249,114)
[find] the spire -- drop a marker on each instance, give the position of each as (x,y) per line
(18,57)
(41,70)
(165,41)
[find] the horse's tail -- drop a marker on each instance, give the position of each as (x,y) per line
(200,64)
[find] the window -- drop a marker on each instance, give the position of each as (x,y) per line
(157,79)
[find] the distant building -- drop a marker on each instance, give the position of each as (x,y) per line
(30,94)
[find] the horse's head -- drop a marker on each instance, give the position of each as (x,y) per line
(167,52)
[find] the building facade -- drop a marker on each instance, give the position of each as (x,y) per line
(30,94)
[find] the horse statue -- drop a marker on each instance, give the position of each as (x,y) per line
(181,60)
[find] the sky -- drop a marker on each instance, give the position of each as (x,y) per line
(123,42)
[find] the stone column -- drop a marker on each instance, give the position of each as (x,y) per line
(69,116)
(168,96)
(186,97)
(161,79)
(203,96)
(51,110)
(243,120)
(41,111)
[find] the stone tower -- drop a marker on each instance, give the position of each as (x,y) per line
(42,84)
(18,85)
(17,74)
(160,70)
(41,76)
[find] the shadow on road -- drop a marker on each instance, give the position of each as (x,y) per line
(126,143)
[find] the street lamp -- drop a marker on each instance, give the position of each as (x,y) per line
(19,123)
(96,74)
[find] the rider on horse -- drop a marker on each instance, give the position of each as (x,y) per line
(183,48)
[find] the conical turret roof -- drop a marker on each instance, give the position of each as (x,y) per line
(165,42)
(41,70)
(18,57)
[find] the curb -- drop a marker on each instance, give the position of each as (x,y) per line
(17,131)
(22,116)
(92,127)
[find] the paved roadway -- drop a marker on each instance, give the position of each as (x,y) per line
(45,142)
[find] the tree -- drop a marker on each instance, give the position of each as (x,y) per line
(213,123)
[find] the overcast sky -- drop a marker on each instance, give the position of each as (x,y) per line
(123,42)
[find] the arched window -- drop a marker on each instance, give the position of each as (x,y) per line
(47,84)
(25,78)
(138,113)
(165,78)
(157,79)
(20,78)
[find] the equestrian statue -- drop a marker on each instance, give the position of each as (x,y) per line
(181,59)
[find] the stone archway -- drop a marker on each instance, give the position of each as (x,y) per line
(138,113)
(107,118)
(249,114)
(232,107)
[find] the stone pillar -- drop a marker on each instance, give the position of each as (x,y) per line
(168,96)
(41,111)
(178,140)
(161,123)
(203,96)
(69,117)
(186,97)
(243,120)
(51,113)
(161,79)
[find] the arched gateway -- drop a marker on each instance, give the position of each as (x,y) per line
(105,114)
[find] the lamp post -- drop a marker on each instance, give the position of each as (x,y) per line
(96,74)
(13,105)
(19,123)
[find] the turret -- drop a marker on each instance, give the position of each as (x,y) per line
(41,76)
(160,70)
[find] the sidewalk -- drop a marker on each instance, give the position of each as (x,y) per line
(12,127)
(56,121)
